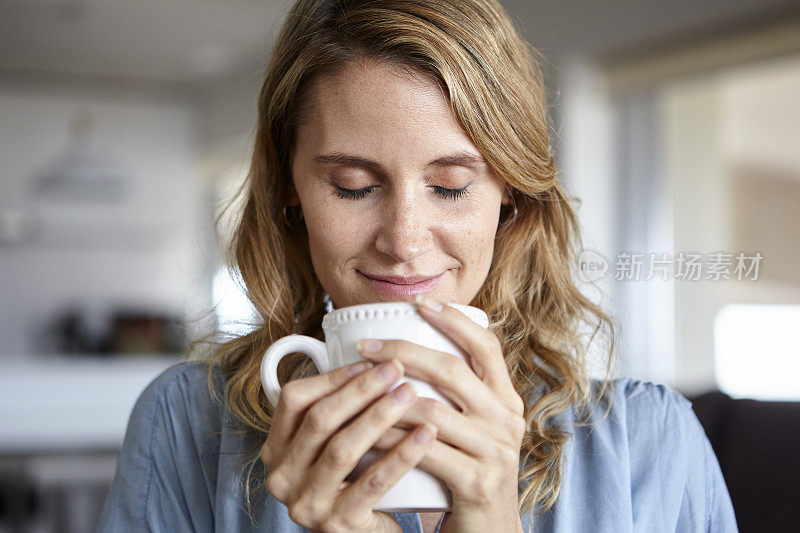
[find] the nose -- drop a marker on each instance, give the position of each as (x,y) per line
(405,232)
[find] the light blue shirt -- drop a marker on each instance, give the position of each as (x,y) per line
(647,466)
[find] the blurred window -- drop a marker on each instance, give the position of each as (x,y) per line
(756,351)
(235,313)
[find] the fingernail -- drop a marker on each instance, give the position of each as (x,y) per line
(389,371)
(356,369)
(428,303)
(402,395)
(369,345)
(425,434)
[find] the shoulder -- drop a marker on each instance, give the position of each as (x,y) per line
(641,390)
(181,378)
(646,400)
(641,461)
(188,384)
(646,431)
(179,400)
(669,462)
(660,424)
(653,418)
(167,465)
(633,426)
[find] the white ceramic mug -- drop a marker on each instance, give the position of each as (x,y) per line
(417,490)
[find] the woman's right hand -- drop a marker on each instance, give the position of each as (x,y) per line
(308,453)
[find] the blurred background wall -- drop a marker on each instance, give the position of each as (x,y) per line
(126,125)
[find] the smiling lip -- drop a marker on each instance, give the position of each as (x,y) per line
(402,287)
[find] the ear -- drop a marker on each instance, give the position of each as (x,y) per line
(506,196)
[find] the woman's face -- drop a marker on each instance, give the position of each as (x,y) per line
(397,199)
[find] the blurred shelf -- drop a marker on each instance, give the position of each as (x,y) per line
(58,403)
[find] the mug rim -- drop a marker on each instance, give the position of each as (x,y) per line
(393,310)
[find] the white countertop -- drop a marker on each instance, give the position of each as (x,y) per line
(57,403)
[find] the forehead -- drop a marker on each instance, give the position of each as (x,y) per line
(379,107)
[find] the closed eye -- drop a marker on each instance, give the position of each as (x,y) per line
(453,194)
(358,194)
(353,194)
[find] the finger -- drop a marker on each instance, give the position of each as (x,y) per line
(449,374)
(471,435)
(479,343)
(383,474)
(294,399)
(325,417)
(343,451)
(296,396)
(450,465)
(454,428)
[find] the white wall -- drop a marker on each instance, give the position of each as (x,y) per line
(585,149)
(694,168)
(705,163)
(145,253)
(733,168)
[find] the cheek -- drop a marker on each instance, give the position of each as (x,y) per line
(332,238)
(473,235)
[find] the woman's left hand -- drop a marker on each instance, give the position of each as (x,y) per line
(477,451)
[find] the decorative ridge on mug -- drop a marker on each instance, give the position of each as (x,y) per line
(370,312)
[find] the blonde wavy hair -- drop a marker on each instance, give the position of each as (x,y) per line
(494,84)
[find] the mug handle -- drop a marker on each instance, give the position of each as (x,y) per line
(310,346)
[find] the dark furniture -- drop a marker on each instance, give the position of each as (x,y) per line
(757,444)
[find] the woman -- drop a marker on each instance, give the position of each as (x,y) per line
(402,153)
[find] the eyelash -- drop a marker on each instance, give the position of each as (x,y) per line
(358,194)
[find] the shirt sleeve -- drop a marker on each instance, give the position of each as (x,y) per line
(162,482)
(676,481)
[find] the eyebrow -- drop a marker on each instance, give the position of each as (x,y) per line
(461,158)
